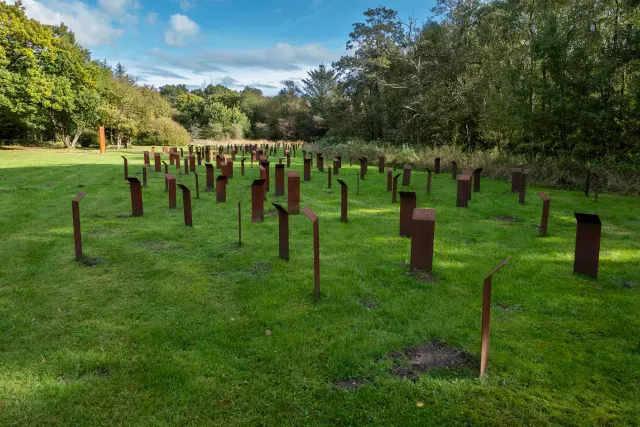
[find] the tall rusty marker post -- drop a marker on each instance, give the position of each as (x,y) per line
(523,185)
(381,163)
(293,192)
(320,162)
(209,174)
(436,166)
(395,188)
(344,201)
(156,160)
(126,167)
(265,163)
(144,176)
(363,167)
(279,180)
(77,235)
(546,201)
(516,173)
(257,200)
(186,202)
(171,183)
(329,178)
(147,162)
(423,225)
(486,317)
(464,189)
(136,196)
(408,203)
(221,189)
(307,169)
(316,251)
(283,231)
(406,177)
(166,171)
(587,254)
(336,166)
(242,166)
(389,179)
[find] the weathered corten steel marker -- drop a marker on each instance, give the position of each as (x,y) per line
(454,170)
(257,200)
(283,232)
(126,167)
(186,203)
(363,167)
(147,161)
(288,155)
(221,189)
(546,201)
(516,173)
(316,251)
(329,178)
(464,188)
(190,147)
(587,255)
(477,174)
(229,169)
(172,157)
(389,179)
(428,181)
(320,162)
(77,235)
(395,188)
(177,157)
(265,163)
(381,163)
(470,175)
(197,185)
(136,196)
(103,139)
(166,171)
(156,160)
(210,174)
(436,166)
(307,169)
(523,185)
(242,166)
(181,152)
(199,154)
(423,225)
(336,166)
(293,192)
(279,180)
(486,318)
(186,165)
(406,177)
(144,176)
(192,162)
(587,183)
(344,201)
(171,183)
(408,203)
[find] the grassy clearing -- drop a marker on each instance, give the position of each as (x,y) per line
(166,325)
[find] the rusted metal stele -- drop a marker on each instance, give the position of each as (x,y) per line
(428,181)
(186,165)
(144,176)
(171,184)
(293,192)
(126,167)
(587,254)
(423,224)
(209,176)
(192,162)
(546,201)
(316,251)
(190,147)
(336,167)
(265,164)
(307,169)
(389,179)
(242,166)
(395,188)
(464,185)
(197,185)
(486,317)
(147,161)
(408,203)
(406,176)
(186,203)
(320,161)
(339,162)
(477,175)
(229,168)
(177,159)
(381,163)
(454,170)
(166,171)
(516,173)
(136,196)
(288,155)
(199,154)
(329,178)
(363,167)
(257,200)
(470,175)
(279,180)
(283,231)
(344,201)
(221,189)
(436,166)
(157,162)
(523,185)
(77,234)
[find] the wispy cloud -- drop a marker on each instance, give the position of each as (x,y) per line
(181,29)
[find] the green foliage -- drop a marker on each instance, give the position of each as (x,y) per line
(163,131)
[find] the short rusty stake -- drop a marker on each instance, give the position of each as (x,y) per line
(186,165)
(166,171)
(171,183)
(283,232)
(136,196)
(126,167)
(307,169)
(486,318)
(293,192)
(336,167)
(516,173)
(156,161)
(329,178)
(406,177)
(464,189)
(209,174)
(257,200)
(242,166)
(146,161)
(316,251)
(408,203)
(395,188)
(546,201)
(381,163)
(436,166)
(477,174)
(344,201)
(523,185)
(423,225)
(389,179)
(428,181)
(197,185)
(77,236)
(279,180)
(221,189)
(186,203)
(587,255)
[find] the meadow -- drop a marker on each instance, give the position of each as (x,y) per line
(164,324)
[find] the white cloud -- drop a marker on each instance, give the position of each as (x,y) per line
(152,18)
(92,26)
(185,5)
(181,29)
(119,9)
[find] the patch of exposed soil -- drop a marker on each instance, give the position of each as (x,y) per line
(504,307)
(260,269)
(48,186)
(413,361)
(91,262)
(423,276)
(505,218)
(369,304)
(348,384)
(626,285)
(271,212)
(80,186)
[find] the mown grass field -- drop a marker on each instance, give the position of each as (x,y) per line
(167,324)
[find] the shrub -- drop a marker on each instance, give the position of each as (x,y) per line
(163,131)
(89,138)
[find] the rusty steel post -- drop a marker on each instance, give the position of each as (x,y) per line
(293,192)
(199,154)
(363,167)
(477,174)
(428,181)
(470,175)
(288,159)
(523,185)
(186,203)
(587,183)
(147,162)
(103,139)
(316,251)
(329,178)
(177,163)
(219,162)
(192,162)
(221,189)
(587,254)
(77,235)
(186,165)
(265,164)
(229,168)
(454,170)
(144,176)
(516,173)
(126,167)
(408,203)
(283,231)
(320,162)
(339,162)
(381,163)
(307,169)
(406,177)
(279,180)
(486,318)
(181,152)
(344,201)
(197,185)
(157,160)
(190,147)
(464,187)
(436,166)
(242,166)
(172,158)
(210,174)
(171,183)
(546,201)
(257,200)
(395,188)
(136,196)
(389,179)
(423,225)
(166,171)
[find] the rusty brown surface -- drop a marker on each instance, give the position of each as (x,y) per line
(293,192)
(423,224)
(320,162)
(228,168)
(436,166)
(454,170)
(221,189)
(587,253)
(406,176)
(380,164)
(516,173)
(344,201)
(157,162)
(279,180)
(209,176)
(336,168)
(171,184)
(363,167)
(395,188)
(166,171)
(408,202)
(283,231)
(329,178)
(265,164)
(523,185)
(464,189)
(126,167)
(186,204)
(242,166)
(147,160)
(103,140)
(307,169)
(136,196)
(316,251)
(186,165)
(546,202)
(257,200)
(477,175)
(389,179)
(192,162)
(197,185)
(77,234)
(486,318)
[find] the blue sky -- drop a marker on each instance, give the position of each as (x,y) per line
(231,42)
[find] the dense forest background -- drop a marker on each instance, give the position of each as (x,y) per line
(553,77)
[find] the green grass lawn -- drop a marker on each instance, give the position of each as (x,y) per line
(167,325)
